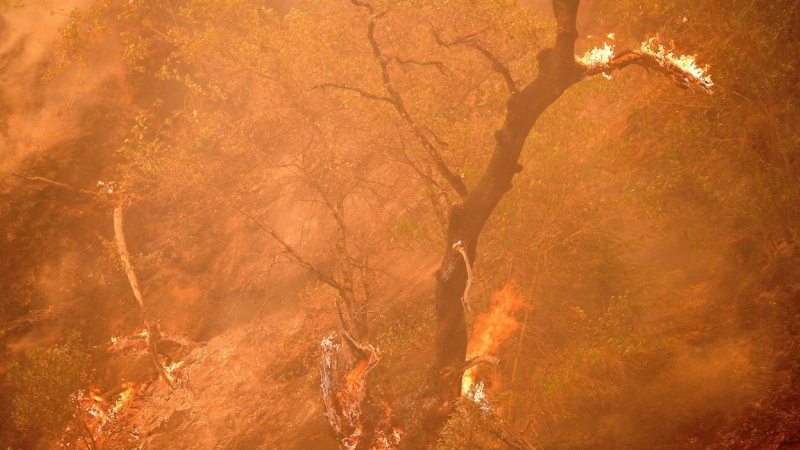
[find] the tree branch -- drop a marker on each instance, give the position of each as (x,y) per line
(359,91)
(471,42)
(291,251)
(150,324)
(454,180)
(60,185)
(438,64)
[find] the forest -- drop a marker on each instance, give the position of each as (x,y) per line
(400,224)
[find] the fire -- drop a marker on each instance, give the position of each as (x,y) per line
(171,369)
(490,330)
(344,402)
(352,377)
(123,398)
(129,343)
(100,414)
(685,63)
(598,57)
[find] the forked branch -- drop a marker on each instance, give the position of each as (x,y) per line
(288,248)
(472,42)
(455,181)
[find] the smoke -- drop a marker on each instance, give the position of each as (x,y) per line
(35,114)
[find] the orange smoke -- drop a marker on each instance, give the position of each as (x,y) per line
(492,328)
(122,80)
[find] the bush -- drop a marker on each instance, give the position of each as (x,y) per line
(44,385)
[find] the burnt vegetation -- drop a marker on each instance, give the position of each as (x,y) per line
(379,224)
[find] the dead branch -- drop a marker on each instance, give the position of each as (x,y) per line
(515,441)
(30,319)
(302,262)
(151,326)
(356,422)
(483,359)
(358,91)
(60,185)
(403,62)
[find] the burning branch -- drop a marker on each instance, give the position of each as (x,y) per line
(683,69)
(100,418)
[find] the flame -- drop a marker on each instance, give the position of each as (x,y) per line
(598,56)
(685,63)
(490,330)
(353,376)
(170,370)
(122,399)
(100,413)
(350,401)
(344,405)
(124,344)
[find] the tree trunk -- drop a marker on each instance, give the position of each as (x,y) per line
(557,72)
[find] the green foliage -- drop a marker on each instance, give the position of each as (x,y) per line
(45,384)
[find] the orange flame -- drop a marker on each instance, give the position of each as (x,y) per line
(172,369)
(101,417)
(353,379)
(491,329)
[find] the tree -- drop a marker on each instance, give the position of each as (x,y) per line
(558,70)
